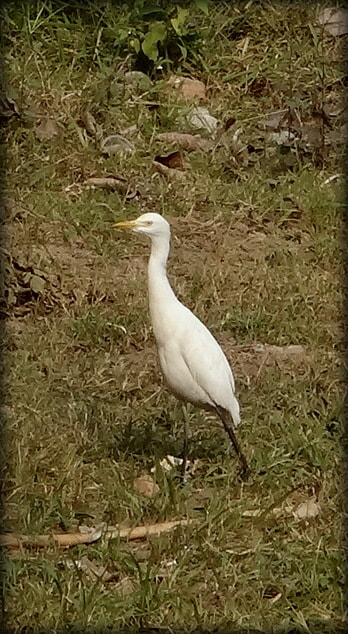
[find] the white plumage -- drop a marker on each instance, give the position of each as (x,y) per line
(193,364)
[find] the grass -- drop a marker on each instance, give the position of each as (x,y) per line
(256,254)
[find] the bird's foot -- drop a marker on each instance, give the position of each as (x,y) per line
(244,472)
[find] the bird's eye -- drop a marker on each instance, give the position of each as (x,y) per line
(148,222)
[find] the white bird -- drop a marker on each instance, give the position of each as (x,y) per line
(193,364)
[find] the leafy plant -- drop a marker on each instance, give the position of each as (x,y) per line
(162,38)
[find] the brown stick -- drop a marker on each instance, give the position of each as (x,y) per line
(64,540)
(110,182)
(139,532)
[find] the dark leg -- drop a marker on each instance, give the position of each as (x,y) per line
(228,425)
(185,446)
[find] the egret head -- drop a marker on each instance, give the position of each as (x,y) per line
(153,225)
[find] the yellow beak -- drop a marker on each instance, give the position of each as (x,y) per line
(125,224)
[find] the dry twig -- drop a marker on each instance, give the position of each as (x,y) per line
(65,540)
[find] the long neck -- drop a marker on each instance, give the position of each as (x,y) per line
(160,291)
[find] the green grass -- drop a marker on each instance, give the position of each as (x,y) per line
(256,253)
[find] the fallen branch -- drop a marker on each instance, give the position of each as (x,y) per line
(62,540)
(65,540)
(139,532)
(112,183)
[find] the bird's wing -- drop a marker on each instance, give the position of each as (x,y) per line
(206,362)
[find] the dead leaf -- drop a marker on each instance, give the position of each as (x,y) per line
(26,287)
(295,502)
(47,129)
(146,486)
(186,141)
(312,135)
(168,463)
(233,140)
(116,143)
(307,510)
(200,499)
(126,586)
(283,137)
(174,160)
(131,130)
(274,120)
(168,173)
(37,284)
(113,183)
(89,122)
(92,569)
(171,462)
(334,21)
(201,119)
(10,101)
(230,121)
(332,111)
(186,87)
(93,128)
(192,88)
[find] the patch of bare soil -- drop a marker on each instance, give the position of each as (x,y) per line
(55,273)
(242,241)
(250,361)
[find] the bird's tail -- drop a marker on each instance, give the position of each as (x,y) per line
(235,412)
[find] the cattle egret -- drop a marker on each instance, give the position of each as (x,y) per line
(193,364)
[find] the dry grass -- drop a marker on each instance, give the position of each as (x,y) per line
(255,254)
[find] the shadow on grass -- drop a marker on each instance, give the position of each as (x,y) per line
(159,437)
